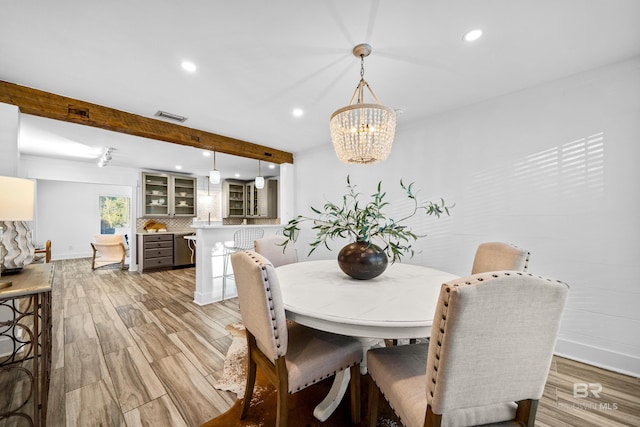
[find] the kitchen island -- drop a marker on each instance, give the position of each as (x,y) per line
(210,238)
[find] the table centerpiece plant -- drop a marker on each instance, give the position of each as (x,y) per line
(375,236)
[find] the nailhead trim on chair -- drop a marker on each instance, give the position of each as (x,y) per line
(265,279)
(273,318)
(481,277)
(526,261)
(315,380)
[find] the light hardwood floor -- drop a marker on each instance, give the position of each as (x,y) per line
(133,349)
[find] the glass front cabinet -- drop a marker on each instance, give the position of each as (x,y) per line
(233,199)
(263,202)
(166,195)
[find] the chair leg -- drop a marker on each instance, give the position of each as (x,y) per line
(225,262)
(93,258)
(251,380)
(282,378)
(282,411)
(526,412)
(431,419)
(355,394)
(374,396)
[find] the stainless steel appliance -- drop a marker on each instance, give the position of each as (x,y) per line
(182,255)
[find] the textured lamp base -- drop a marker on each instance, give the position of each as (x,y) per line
(17,249)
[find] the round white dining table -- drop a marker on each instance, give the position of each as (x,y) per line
(400,303)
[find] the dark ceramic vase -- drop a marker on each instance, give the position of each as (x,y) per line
(362,260)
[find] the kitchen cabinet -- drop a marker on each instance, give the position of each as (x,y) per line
(240,199)
(155,250)
(233,199)
(166,195)
(262,202)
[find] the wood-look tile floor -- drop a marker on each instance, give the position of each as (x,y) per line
(132,349)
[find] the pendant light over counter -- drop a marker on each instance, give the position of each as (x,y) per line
(363,133)
(259,179)
(214,175)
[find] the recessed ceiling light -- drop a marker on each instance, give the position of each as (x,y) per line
(188,66)
(237,175)
(179,167)
(297,112)
(206,153)
(472,35)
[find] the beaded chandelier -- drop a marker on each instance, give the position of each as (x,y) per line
(363,133)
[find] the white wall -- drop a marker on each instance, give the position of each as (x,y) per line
(552,169)
(68,214)
(67,209)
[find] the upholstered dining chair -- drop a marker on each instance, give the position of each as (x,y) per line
(271,247)
(292,356)
(498,256)
(108,249)
(43,254)
(488,358)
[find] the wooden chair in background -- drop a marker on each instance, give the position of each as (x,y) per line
(108,249)
(46,251)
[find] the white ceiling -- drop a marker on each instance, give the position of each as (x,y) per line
(257,60)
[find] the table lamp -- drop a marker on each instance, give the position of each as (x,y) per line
(16,205)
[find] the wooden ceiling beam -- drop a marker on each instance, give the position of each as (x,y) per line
(52,106)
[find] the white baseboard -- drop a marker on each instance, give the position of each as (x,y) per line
(622,363)
(72,255)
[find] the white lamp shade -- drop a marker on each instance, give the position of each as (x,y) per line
(214,177)
(259,182)
(16,199)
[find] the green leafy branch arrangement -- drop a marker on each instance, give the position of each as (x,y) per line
(366,222)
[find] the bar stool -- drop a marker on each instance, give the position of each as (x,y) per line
(242,240)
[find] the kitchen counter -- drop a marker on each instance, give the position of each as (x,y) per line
(236,226)
(175,232)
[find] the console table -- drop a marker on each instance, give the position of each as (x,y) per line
(25,340)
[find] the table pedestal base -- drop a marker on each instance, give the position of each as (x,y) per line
(341,382)
(333,398)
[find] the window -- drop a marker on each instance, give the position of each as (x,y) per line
(114,214)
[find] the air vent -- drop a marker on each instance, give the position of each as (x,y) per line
(170,116)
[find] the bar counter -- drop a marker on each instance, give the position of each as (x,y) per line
(210,238)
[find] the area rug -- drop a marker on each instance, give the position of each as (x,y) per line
(262,410)
(235,363)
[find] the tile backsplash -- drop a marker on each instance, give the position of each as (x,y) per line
(238,221)
(184,223)
(173,224)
